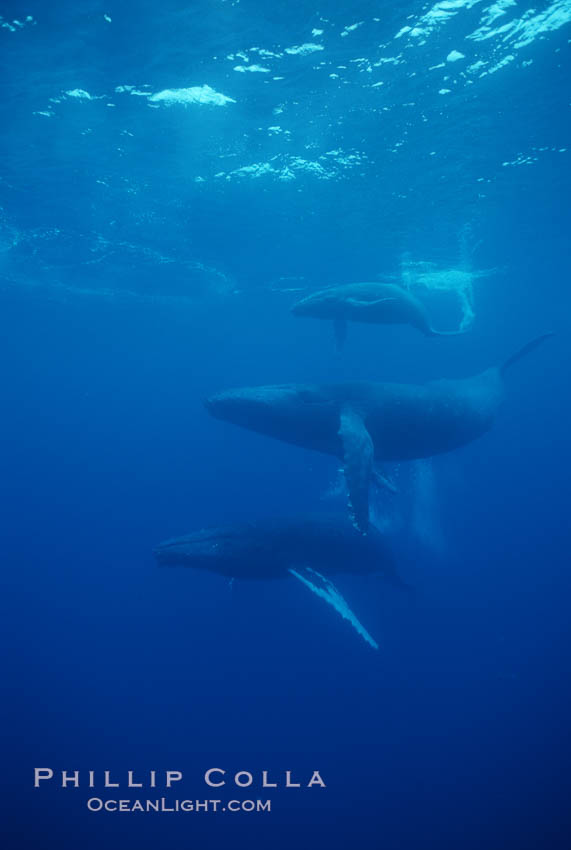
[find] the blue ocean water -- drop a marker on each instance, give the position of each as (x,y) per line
(173,177)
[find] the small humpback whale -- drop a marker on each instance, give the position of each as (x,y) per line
(364,422)
(373,303)
(308,548)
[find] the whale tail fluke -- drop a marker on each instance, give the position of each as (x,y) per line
(526,349)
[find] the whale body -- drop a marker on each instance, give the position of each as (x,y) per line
(373,303)
(268,548)
(310,549)
(364,422)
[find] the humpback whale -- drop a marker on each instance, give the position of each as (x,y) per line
(374,303)
(308,548)
(364,422)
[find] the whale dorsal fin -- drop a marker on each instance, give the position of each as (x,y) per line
(358,455)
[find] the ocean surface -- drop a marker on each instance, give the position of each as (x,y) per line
(173,178)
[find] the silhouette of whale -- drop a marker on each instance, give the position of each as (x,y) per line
(308,548)
(364,422)
(373,303)
(268,548)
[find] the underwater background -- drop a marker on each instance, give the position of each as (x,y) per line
(173,177)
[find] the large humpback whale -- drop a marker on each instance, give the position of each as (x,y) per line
(373,303)
(308,548)
(364,422)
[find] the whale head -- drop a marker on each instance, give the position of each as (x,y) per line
(299,414)
(249,551)
(253,407)
(320,305)
(213,549)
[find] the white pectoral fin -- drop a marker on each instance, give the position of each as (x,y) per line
(326,590)
(358,455)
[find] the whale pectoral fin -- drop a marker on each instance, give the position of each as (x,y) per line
(358,455)
(383,483)
(326,590)
(340,331)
